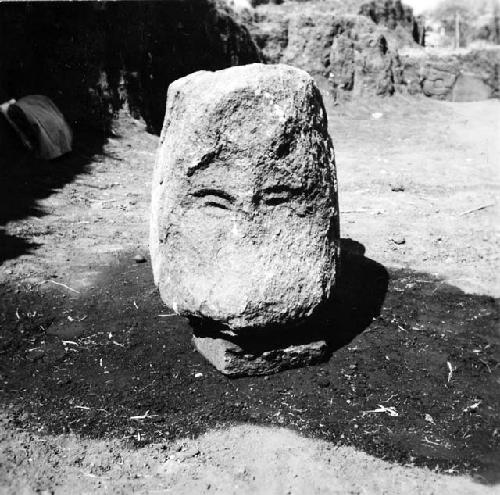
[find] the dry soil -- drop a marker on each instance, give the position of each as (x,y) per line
(101,388)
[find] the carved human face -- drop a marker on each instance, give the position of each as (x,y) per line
(246,220)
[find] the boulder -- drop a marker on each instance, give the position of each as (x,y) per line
(244,219)
(364,63)
(438,79)
(233,359)
(379,67)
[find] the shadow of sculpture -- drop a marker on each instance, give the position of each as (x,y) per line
(358,295)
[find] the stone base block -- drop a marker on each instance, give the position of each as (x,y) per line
(232,360)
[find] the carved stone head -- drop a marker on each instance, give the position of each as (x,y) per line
(244,224)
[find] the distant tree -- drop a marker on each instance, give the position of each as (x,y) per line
(488,25)
(471,14)
(446,13)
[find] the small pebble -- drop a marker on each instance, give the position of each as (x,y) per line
(138,258)
(397,187)
(399,240)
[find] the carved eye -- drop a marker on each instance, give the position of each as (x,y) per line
(215,198)
(277,195)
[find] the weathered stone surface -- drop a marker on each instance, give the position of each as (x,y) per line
(438,80)
(364,63)
(343,61)
(322,38)
(244,226)
(232,360)
(393,14)
(301,34)
(460,75)
(379,67)
(358,56)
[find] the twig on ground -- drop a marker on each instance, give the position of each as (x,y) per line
(364,210)
(430,441)
(472,407)
(383,409)
(64,285)
(450,370)
(391,397)
(144,416)
(486,364)
(472,210)
(437,287)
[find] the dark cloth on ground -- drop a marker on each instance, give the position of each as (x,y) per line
(40,126)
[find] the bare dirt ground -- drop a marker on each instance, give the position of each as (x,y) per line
(101,392)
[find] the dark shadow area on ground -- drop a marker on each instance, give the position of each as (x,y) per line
(358,296)
(12,246)
(24,180)
(87,363)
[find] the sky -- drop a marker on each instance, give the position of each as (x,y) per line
(420,5)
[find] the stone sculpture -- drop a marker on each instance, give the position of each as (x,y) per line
(244,226)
